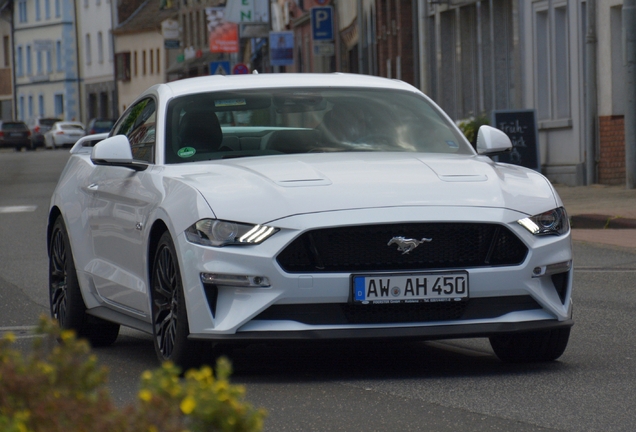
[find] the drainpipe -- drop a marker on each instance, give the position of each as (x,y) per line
(591,108)
(79,78)
(629,46)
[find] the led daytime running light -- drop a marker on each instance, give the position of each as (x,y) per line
(529,225)
(553,222)
(256,234)
(219,233)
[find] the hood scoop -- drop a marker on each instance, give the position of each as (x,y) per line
(463,178)
(457,171)
(291,173)
(303,182)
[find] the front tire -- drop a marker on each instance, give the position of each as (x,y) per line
(169,315)
(531,347)
(67,304)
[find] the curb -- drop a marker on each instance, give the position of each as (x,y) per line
(597,221)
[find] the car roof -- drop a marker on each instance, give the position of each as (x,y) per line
(287,80)
(69,123)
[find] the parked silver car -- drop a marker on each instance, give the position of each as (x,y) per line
(64,133)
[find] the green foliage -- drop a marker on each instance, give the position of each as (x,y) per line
(471,125)
(59,386)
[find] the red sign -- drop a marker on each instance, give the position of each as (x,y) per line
(224,39)
(224,36)
(240,69)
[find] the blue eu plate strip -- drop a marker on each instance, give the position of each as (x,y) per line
(359,289)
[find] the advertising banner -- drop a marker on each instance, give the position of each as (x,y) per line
(281,48)
(224,36)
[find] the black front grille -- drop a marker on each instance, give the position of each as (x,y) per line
(348,313)
(365,248)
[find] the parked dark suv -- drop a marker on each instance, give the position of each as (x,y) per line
(15,134)
(99,125)
(38,127)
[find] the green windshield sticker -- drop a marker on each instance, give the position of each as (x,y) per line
(230,103)
(186,152)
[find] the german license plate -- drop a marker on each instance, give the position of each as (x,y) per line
(16,134)
(410,288)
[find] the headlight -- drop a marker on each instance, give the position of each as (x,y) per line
(213,232)
(553,222)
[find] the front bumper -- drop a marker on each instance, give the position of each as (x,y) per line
(237,313)
(417,333)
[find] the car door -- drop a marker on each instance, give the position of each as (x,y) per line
(120,204)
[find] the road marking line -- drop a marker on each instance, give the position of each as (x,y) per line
(18,209)
(20,332)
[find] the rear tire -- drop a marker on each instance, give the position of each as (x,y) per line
(67,304)
(539,346)
(169,315)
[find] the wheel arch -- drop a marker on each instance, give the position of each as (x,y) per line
(54,213)
(156,231)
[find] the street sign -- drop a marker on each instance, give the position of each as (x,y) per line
(240,69)
(220,68)
(171,43)
(322,23)
(325,49)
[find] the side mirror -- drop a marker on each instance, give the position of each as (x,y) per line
(491,141)
(115,151)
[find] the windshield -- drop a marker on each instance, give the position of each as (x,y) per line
(285,121)
(14,126)
(48,121)
(71,127)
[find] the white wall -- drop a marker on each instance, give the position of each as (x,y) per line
(561,136)
(95,18)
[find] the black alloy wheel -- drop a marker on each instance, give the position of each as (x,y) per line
(65,296)
(169,316)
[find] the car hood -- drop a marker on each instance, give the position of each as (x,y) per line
(274,187)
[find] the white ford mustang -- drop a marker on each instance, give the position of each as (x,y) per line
(304,206)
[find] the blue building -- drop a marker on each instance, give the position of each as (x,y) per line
(46,59)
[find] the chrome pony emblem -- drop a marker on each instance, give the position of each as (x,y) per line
(406,245)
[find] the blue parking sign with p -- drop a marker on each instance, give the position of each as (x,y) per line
(322,23)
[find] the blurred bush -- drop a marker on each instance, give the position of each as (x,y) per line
(470,126)
(59,386)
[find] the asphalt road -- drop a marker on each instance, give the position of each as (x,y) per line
(436,386)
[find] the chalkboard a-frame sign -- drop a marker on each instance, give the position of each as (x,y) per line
(521,128)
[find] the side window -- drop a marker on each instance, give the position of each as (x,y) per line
(139,127)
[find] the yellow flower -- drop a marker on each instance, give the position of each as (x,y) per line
(9,337)
(146,375)
(153,428)
(145,395)
(188,405)
(67,334)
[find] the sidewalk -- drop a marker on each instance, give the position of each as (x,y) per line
(601,214)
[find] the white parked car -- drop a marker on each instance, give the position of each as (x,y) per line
(63,134)
(305,206)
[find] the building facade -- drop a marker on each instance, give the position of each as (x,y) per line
(46,59)
(97,67)
(6,61)
(480,56)
(141,57)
